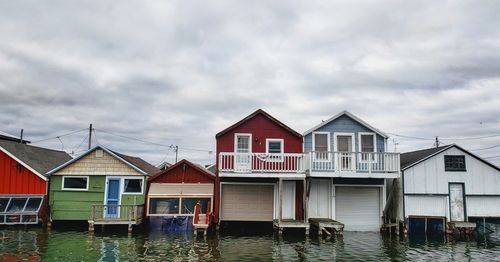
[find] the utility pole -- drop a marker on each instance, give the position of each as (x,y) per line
(90,136)
(21,137)
(176,151)
(437,142)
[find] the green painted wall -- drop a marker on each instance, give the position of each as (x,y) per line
(77,205)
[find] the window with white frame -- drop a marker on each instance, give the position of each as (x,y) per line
(367,144)
(132,185)
(321,145)
(276,148)
(75,183)
(177,205)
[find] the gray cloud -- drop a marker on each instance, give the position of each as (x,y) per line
(177,72)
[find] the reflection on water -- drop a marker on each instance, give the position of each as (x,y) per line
(59,245)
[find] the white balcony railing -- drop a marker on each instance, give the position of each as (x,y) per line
(377,162)
(262,163)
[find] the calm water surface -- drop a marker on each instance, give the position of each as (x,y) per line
(63,245)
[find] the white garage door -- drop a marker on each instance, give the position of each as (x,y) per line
(247,202)
(358,208)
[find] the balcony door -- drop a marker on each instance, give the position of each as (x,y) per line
(344,146)
(243,148)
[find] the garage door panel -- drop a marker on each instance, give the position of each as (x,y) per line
(358,208)
(247,202)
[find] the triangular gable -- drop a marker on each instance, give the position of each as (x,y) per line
(252,115)
(442,149)
(202,171)
(89,152)
(355,118)
(23,164)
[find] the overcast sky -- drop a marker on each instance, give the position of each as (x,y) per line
(177,72)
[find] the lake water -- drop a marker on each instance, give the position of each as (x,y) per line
(36,244)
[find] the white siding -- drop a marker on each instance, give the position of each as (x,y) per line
(429,176)
(483,206)
(358,208)
(426,206)
(319,198)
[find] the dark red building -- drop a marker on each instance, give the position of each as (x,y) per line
(260,171)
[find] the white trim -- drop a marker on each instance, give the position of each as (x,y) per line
(275,198)
(180,206)
(282,143)
(353,144)
(375,159)
(328,142)
(120,192)
(275,158)
(351,116)
(264,175)
(22,163)
(328,174)
(132,178)
(293,198)
(74,189)
(249,141)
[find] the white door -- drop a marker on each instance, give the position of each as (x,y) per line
(358,208)
(344,147)
(288,200)
(246,202)
(319,198)
(457,202)
(243,158)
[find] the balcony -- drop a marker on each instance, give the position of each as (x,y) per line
(116,215)
(353,164)
(262,165)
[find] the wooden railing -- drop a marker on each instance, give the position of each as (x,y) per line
(377,162)
(197,213)
(261,163)
(117,213)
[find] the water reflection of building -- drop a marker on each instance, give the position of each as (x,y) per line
(13,241)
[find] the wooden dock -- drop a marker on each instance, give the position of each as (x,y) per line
(130,215)
(328,226)
(286,223)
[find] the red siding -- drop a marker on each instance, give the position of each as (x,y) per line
(13,182)
(261,128)
(183,173)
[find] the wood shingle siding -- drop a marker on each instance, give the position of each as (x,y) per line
(90,165)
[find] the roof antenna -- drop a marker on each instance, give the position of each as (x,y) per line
(21,137)
(90,136)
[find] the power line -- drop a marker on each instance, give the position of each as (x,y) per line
(469,138)
(486,148)
(153,143)
(59,136)
(411,137)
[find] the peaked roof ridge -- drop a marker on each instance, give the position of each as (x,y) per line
(351,115)
(184,161)
(121,157)
(257,112)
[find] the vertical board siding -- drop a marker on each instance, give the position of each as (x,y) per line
(183,173)
(483,206)
(429,176)
(14,182)
(343,124)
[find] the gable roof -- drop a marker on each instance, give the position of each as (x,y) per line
(200,168)
(347,113)
(252,115)
(413,158)
(136,163)
(38,160)
(9,137)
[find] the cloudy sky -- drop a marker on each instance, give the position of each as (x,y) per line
(177,72)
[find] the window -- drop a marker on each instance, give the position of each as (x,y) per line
(189,203)
(164,206)
(274,146)
(454,163)
(321,145)
(367,144)
(132,186)
(243,143)
(177,206)
(75,183)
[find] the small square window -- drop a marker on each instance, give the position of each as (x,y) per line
(454,163)
(132,186)
(164,206)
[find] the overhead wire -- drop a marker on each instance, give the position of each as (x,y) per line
(59,136)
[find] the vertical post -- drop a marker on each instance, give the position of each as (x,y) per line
(176,151)
(280,186)
(370,163)
(90,136)
(304,199)
(21,138)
